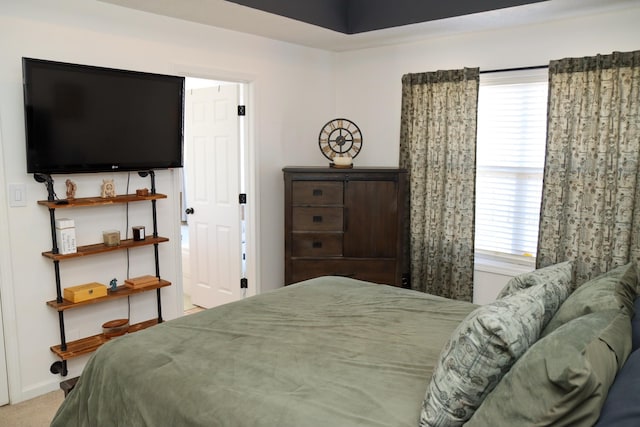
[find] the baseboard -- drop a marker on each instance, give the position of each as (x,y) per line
(37,390)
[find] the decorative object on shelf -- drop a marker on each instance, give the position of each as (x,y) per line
(138,233)
(344,162)
(113,285)
(108,188)
(85,292)
(111,237)
(66,236)
(71,189)
(142,192)
(340,139)
(141,282)
(115,328)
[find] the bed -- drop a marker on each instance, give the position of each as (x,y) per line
(329,351)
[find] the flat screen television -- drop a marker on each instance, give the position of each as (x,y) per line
(82,118)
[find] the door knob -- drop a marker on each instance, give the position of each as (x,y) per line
(189,211)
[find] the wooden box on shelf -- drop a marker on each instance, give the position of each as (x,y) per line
(85,292)
(141,282)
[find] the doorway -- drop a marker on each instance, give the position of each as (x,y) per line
(214,222)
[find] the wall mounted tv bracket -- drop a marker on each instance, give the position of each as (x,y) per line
(46,178)
(152,175)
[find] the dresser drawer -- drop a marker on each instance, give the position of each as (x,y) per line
(377,271)
(317,192)
(317,219)
(316,244)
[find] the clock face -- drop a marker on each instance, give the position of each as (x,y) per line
(340,137)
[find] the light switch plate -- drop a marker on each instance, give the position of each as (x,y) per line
(17,195)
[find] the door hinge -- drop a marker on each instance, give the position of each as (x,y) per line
(244,283)
(243,198)
(242,110)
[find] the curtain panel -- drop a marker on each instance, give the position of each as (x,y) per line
(438,147)
(590,203)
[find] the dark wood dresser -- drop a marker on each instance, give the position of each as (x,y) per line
(344,222)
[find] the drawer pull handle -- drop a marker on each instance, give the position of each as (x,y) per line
(317,192)
(317,218)
(316,245)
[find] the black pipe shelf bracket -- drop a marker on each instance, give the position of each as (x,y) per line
(67,350)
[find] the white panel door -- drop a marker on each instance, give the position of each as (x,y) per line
(212,174)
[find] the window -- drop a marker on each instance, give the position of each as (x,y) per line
(512,120)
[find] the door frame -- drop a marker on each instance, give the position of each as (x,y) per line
(9,355)
(250,166)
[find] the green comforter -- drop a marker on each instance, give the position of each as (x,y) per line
(328,352)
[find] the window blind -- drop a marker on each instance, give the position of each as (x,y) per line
(512,118)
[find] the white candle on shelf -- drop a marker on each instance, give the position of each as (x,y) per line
(344,160)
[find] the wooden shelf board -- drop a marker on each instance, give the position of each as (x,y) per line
(99,248)
(120,292)
(100,201)
(90,344)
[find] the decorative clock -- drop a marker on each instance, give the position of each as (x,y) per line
(340,138)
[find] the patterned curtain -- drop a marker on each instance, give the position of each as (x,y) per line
(438,148)
(590,199)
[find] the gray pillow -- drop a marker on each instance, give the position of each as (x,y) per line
(564,378)
(561,273)
(480,351)
(612,290)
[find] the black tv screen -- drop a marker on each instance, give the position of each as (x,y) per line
(82,118)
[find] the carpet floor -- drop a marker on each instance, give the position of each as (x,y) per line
(37,412)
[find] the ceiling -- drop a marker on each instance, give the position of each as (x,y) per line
(343,25)
(358,16)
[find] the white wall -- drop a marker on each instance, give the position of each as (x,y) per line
(292,95)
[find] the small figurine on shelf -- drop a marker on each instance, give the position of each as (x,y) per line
(113,284)
(71,189)
(108,188)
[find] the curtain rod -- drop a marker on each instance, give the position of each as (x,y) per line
(534,67)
